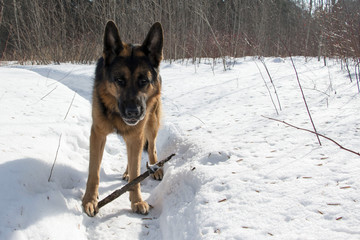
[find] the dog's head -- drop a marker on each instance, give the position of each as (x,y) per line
(132,71)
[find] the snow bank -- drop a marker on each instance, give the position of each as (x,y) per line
(236,175)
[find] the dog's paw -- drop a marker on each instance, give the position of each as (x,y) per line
(125,176)
(140,207)
(158,175)
(90,207)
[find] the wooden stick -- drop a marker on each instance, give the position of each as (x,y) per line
(150,170)
(321,135)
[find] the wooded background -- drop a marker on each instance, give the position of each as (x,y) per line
(43,31)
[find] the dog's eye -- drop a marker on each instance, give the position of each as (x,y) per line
(143,82)
(120,81)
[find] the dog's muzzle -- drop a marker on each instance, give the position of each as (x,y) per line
(132,115)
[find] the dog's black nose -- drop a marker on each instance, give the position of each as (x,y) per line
(132,112)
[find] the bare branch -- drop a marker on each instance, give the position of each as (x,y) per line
(303,96)
(57,151)
(48,93)
(70,105)
(272,100)
(272,82)
(318,134)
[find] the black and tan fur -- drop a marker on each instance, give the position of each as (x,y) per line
(126,99)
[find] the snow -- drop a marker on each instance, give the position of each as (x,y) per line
(236,174)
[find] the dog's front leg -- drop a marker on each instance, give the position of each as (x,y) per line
(134,145)
(97,144)
(151,131)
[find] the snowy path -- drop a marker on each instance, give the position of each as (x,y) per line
(236,175)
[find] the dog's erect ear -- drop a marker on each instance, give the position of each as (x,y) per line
(112,42)
(153,44)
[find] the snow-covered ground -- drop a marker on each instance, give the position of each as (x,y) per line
(236,175)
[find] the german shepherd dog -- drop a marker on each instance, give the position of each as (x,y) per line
(126,99)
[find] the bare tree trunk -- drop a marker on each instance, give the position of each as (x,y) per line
(308,29)
(320,45)
(17,25)
(1,10)
(170,31)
